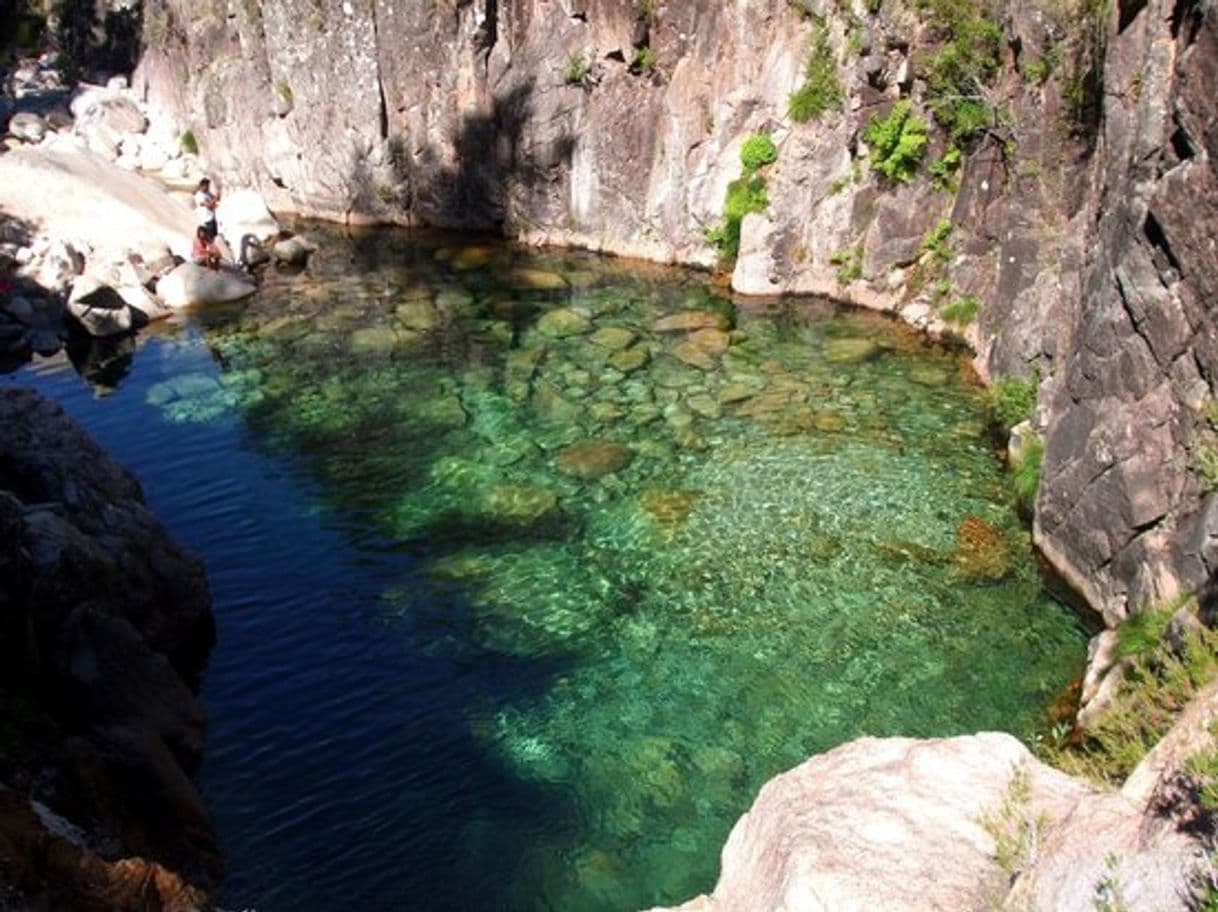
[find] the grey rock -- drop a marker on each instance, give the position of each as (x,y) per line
(190,284)
(99,308)
(27,126)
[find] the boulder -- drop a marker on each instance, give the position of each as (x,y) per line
(951,823)
(98,308)
(27,126)
(293,251)
(591,459)
(689,321)
(566,321)
(243,211)
(191,283)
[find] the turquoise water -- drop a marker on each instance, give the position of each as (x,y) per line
(524,590)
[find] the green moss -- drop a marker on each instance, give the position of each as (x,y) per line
(898,142)
(1011,400)
(961,311)
(190,145)
(1141,633)
(820,91)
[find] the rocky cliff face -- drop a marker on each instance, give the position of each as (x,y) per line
(1125,507)
(1078,216)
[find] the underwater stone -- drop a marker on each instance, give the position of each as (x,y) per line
(614,338)
(591,459)
(670,508)
(731,393)
(372,340)
(417,314)
(851,351)
(472,257)
(630,359)
(928,375)
(566,321)
(443,412)
(705,405)
(689,321)
(535,280)
(606,412)
(694,355)
(519,505)
(982,550)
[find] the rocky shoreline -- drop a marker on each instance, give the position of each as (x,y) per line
(107,628)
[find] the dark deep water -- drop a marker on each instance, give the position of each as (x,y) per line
(452,675)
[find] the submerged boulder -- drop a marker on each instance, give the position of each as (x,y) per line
(191,283)
(591,459)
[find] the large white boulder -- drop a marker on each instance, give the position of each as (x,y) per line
(966,823)
(191,283)
(241,212)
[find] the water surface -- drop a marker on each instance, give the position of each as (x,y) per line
(460,668)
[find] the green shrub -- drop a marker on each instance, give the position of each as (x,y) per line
(1203,458)
(1160,683)
(820,91)
(644,61)
(850,263)
(958,73)
(961,311)
(936,241)
(190,145)
(758,150)
(1011,400)
(898,142)
(577,69)
(1140,634)
(943,171)
(1026,476)
(744,195)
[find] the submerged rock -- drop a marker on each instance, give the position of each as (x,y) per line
(630,359)
(613,338)
(519,505)
(690,320)
(591,459)
(566,321)
(670,508)
(851,351)
(982,550)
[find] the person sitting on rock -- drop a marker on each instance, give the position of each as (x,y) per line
(205,207)
(204,251)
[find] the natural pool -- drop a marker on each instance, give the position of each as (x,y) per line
(530,569)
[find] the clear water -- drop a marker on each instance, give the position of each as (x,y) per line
(451,674)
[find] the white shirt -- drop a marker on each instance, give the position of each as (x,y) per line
(204,213)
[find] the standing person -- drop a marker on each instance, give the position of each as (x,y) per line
(205,207)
